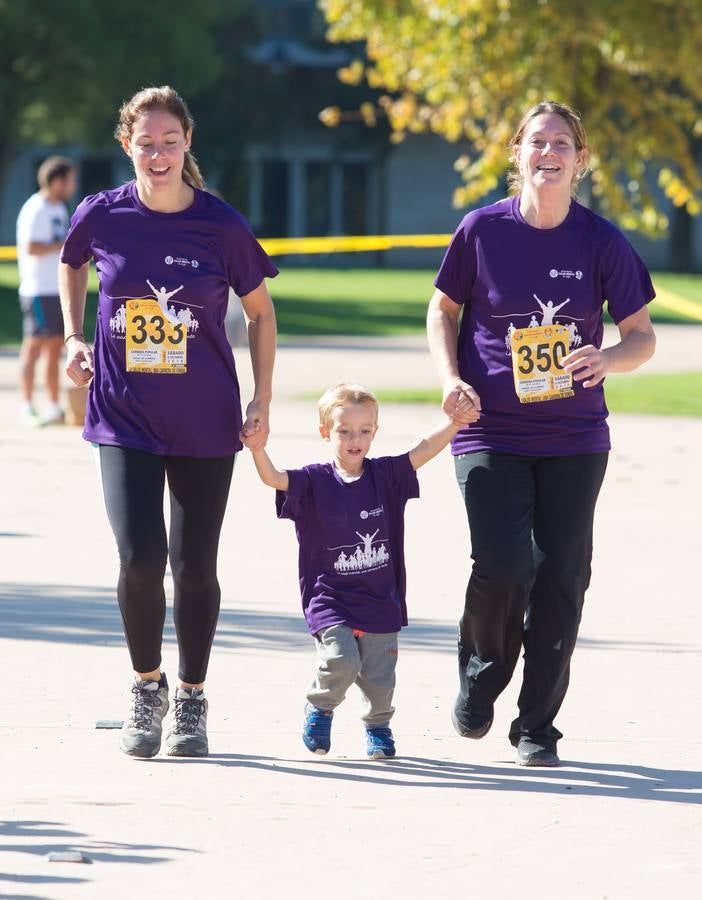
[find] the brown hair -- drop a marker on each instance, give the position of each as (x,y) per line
(574,122)
(343,395)
(54,167)
(166,98)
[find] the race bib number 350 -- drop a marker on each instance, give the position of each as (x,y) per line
(536,362)
(153,344)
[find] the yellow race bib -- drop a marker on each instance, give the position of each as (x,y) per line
(536,362)
(153,344)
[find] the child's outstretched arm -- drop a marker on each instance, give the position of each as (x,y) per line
(267,471)
(436,440)
(433,443)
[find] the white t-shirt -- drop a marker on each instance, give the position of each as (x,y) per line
(39,220)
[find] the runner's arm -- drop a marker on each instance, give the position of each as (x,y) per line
(267,471)
(38,248)
(260,315)
(638,343)
(433,443)
(442,334)
(73,289)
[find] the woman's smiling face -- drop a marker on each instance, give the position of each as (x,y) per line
(547,156)
(157,148)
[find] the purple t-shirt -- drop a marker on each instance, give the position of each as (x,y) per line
(183,263)
(351,536)
(509,275)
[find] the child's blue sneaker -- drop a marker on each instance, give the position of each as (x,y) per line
(316,732)
(380,744)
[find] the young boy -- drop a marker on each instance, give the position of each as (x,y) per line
(348,517)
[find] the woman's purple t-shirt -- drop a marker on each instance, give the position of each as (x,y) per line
(508,274)
(351,536)
(187,261)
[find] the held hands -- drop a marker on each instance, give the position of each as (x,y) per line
(460,402)
(79,362)
(587,363)
(255,430)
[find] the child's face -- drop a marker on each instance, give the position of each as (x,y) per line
(350,433)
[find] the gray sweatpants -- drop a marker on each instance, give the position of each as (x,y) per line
(368,660)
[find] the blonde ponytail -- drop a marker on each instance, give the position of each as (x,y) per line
(191,172)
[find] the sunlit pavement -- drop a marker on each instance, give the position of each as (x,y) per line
(262,817)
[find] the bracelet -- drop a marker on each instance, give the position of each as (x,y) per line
(73,334)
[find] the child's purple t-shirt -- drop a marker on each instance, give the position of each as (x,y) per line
(508,274)
(351,536)
(191,257)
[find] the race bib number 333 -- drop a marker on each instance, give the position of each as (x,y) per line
(153,344)
(536,362)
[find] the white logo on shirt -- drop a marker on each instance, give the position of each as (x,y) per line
(181,261)
(566,273)
(368,559)
(378,511)
(548,313)
(118,322)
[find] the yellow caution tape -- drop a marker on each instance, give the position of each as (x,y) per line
(351,244)
(345,244)
(368,243)
(678,304)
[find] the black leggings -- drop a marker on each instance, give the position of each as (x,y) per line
(133,484)
(531,538)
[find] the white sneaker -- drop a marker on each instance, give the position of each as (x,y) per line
(28,414)
(53,415)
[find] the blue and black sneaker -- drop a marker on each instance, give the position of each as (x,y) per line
(379,743)
(316,731)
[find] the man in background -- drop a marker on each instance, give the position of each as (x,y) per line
(42,226)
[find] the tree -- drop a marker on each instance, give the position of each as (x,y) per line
(469,68)
(66,67)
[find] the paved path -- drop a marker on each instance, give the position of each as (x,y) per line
(261,817)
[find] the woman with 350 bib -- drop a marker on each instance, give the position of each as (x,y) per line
(515,327)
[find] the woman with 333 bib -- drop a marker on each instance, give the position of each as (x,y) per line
(515,326)
(164,396)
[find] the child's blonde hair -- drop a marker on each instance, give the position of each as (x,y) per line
(343,395)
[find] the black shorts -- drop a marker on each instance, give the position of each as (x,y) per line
(41,316)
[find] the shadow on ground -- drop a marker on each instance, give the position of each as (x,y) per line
(74,614)
(39,838)
(572,779)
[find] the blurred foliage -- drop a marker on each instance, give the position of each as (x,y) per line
(468,69)
(66,67)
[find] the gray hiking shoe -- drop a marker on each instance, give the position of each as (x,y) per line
(532,754)
(141,732)
(188,736)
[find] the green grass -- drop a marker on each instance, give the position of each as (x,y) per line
(383,302)
(671,394)
(376,302)
(674,394)
(689,286)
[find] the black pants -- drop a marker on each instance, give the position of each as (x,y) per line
(531,534)
(133,484)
